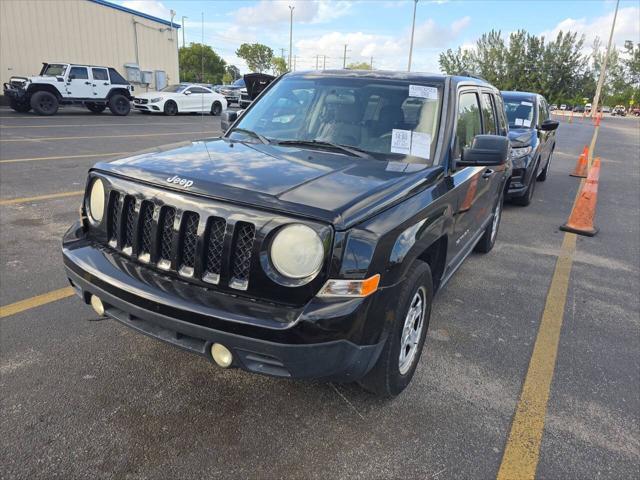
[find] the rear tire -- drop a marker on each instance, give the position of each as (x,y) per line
(170,108)
(95,107)
(119,105)
(44,103)
(488,239)
(216,109)
(393,372)
(21,107)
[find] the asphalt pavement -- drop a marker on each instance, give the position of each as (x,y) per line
(89,398)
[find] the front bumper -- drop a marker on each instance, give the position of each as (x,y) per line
(14,92)
(523,168)
(313,341)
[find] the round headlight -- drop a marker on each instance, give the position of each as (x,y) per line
(96,200)
(297,252)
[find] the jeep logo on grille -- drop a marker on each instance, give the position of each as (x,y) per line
(183,182)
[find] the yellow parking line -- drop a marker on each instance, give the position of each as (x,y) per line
(13,201)
(522,451)
(63,157)
(48,139)
(521,454)
(36,301)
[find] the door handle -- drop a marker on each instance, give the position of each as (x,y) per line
(487,173)
(106,83)
(87,83)
(94,85)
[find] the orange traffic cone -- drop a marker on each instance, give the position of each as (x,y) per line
(582,164)
(584,211)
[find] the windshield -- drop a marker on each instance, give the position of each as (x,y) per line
(174,88)
(54,70)
(519,111)
(379,116)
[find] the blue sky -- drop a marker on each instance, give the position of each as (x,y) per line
(381,28)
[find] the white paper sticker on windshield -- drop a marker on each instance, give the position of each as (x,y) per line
(430,93)
(526,123)
(527,104)
(519,122)
(401,141)
(421,144)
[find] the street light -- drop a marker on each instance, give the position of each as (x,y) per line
(290,34)
(413,28)
(183,19)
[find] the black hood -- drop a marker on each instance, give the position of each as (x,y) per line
(327,186)
(256,83)
(522,137)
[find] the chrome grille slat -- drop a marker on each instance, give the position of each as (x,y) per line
(129,213)
(167,218)
(215,243)
(114,218)
(146,231)
(243,245)
(189,241)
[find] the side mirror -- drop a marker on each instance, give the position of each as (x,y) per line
(486,150)
(72,77)
(227,119)
(549,125)
(187,92)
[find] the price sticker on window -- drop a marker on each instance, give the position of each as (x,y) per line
(421,91)
(401,141)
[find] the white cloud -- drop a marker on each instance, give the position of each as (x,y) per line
(627,27)
(431,35)
(150,7)
(269,13)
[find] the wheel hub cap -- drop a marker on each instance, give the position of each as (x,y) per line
(412,331)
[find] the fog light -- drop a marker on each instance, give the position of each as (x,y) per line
(97,305)
(221,355)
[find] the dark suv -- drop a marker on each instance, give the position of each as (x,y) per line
(309,240)
(533,139)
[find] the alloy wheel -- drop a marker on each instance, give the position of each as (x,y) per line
(412,331)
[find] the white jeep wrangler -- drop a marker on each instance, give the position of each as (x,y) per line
(64,84)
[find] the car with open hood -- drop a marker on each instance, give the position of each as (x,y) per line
(254,83)
(533,141)
(307,241)
(181,98)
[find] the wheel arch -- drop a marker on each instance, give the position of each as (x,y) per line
(435,255)
(43,87)
(119,90)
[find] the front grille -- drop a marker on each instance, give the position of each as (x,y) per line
(180,241)
(141,101)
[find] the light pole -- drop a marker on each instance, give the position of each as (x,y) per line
(291,9)
(183,18)
(596,99)
(413,28)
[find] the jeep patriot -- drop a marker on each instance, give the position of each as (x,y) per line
(307,241)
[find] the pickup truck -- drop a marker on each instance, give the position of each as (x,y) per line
(307,241)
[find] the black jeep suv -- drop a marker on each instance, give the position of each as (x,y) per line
(309,240)
(533,139)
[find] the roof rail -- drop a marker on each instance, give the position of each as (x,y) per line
(466,73)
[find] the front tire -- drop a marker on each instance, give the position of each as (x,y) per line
(543,174)
(400,355)
(216,109)
(44,103)
(119,105)
(170,108)
(525,199)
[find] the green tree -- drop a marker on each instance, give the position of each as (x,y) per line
(257,56)
(455,62)
(234,72)
(200,64)
(359,66)
(227,78)
(279,66)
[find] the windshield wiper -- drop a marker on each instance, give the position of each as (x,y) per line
(351,150)
(262,138)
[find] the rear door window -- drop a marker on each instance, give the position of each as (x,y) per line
(468,122)
(488,114)
(100,74)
